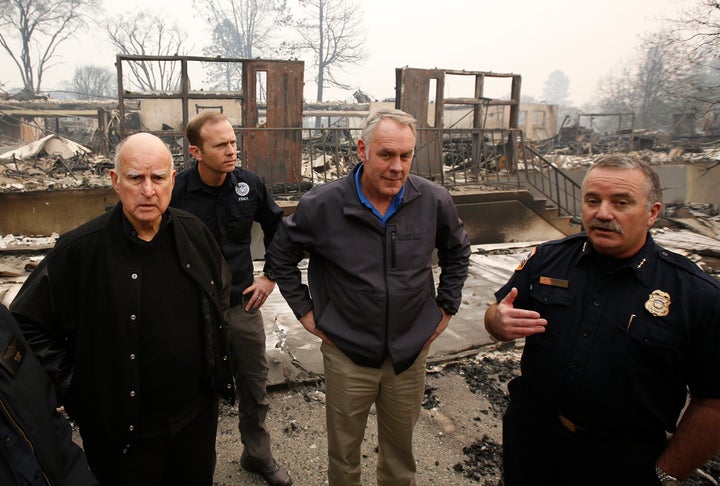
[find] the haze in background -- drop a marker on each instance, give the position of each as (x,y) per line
(528,37)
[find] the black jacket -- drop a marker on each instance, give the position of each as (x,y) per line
(372,286)
(77,311)
(28,406)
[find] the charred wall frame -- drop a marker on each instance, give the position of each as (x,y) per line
(413,96)
(271,147)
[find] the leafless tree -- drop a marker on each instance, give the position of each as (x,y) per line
(149,34)
(652,84)
(240,29)
(31,32)
(697,34)
(677,71)
(93,82)
(246,25)
(556,90)
(332,31)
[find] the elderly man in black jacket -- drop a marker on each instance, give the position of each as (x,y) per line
(36,445)
(127,313)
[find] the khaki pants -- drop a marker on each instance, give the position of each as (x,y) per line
(350,392)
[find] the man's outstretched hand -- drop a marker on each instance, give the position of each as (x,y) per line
(505,322)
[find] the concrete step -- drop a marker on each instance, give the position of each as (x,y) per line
(567,225)
(548,211)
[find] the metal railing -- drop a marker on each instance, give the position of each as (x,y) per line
(552,183)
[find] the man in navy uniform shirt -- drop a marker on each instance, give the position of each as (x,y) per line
(228,199)
(617,330)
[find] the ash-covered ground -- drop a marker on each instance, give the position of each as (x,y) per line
(458,437)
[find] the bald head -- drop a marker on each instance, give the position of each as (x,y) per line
(142,142)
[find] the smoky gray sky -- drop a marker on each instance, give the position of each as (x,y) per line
(533,38)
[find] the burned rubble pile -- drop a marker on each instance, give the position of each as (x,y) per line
(692,230)
(564,160)
(56,163)
(52,163)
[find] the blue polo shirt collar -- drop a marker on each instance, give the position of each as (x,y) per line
(394,204)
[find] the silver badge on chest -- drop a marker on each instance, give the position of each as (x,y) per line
(242,189)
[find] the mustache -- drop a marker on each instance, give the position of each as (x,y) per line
(606,225)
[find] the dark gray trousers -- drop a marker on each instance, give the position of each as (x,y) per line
(250,367)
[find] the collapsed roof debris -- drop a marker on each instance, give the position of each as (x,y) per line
(51,145)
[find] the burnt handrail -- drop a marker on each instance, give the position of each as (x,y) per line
(551,182)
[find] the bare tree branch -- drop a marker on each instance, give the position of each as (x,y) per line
(332,32)
(149,34)
(677,71)
(31,32)
(240,29)
(93,82)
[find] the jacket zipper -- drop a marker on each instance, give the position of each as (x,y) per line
(21,433)
(385,278)
(393,255)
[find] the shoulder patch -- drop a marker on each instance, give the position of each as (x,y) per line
(522,264)
(11,355)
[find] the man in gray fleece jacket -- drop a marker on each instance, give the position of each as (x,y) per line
(371,296)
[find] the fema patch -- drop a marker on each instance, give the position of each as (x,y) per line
(242,189)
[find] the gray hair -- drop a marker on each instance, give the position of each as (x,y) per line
(653,188)
(374,119)
(118,149)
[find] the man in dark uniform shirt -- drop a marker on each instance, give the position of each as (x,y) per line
(228,199)
(617,330)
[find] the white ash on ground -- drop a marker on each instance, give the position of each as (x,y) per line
(21,241)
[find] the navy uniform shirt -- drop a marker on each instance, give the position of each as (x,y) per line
(624,339)
(229,212)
